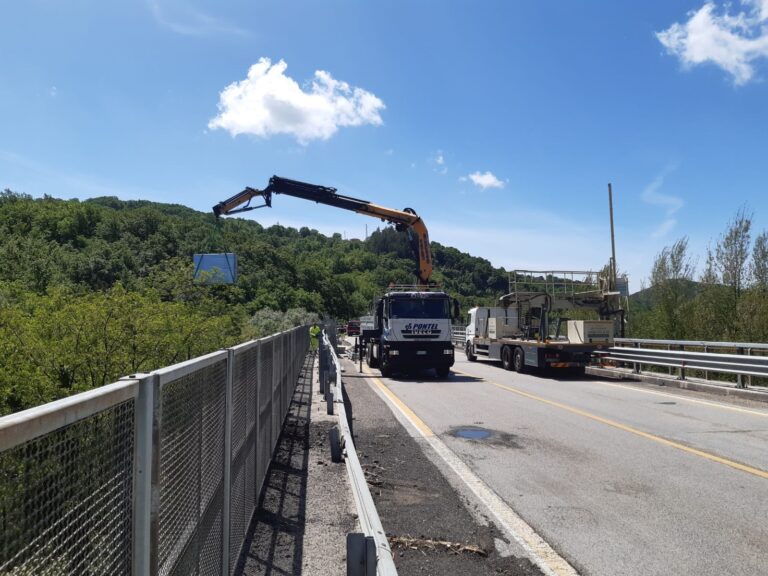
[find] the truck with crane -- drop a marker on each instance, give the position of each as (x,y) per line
(532,328)
(411,325)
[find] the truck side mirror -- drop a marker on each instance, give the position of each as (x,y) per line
(456,309)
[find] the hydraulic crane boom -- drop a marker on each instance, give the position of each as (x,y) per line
(404,220)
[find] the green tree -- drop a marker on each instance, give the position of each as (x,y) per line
(732,252)
(759,269)
(671,278)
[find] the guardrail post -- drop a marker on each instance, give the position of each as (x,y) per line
(322,361)
(739,379)
(326,369)
(146,488)
(669,368)
(328,374)
(227,510)
(749,376)
(706,372)
(331,388)
(636,365)
(361,555)
(682,363)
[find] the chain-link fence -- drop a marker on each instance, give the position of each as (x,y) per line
(157,474)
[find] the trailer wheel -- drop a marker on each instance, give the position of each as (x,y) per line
(385,368)
(470,352)
(519,360)
(506,358)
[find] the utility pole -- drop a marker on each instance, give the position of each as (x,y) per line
(613,239)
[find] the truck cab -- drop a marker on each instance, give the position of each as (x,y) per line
(412,331)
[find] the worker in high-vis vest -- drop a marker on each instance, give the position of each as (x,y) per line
(314,334)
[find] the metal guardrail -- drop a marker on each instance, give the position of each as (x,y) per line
(740,358)
(158,474)
(458,336)
(368,554)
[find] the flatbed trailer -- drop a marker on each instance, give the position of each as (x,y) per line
(522,332)
(521,355)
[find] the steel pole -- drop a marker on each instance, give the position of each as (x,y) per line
(613,238)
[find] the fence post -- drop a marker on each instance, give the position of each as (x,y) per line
(146,475)
(749,376)
(142,474)
(227,505)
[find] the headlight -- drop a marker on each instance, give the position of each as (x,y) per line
(394,352)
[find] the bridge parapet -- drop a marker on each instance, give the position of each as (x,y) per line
(156,474)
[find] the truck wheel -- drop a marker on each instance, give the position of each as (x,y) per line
(506,358)
(385,368)
(519,360)
(443,371)
(469,352)
(372,361)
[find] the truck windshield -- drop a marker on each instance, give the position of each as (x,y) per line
(420,308)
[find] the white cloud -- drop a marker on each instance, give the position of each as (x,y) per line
(734,42)
(484,180)
(664,228)
(268,102)
(438,161)
(651,195)
(181,18)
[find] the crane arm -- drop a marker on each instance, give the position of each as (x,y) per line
(406,219)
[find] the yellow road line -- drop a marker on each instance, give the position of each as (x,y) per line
(420,425)
(671,443)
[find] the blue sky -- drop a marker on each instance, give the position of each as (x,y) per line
(501,123)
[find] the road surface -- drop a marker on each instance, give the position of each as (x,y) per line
(618,479)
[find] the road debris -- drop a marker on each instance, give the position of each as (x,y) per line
(408,543)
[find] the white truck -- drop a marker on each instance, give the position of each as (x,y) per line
(411,331)
(531,328)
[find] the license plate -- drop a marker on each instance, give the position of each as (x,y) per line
(421,352)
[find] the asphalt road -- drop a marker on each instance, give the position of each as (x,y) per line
(417,504)
(619,479)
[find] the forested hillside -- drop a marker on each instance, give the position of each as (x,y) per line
(91,291)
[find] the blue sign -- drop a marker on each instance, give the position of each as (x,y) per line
(215,268)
